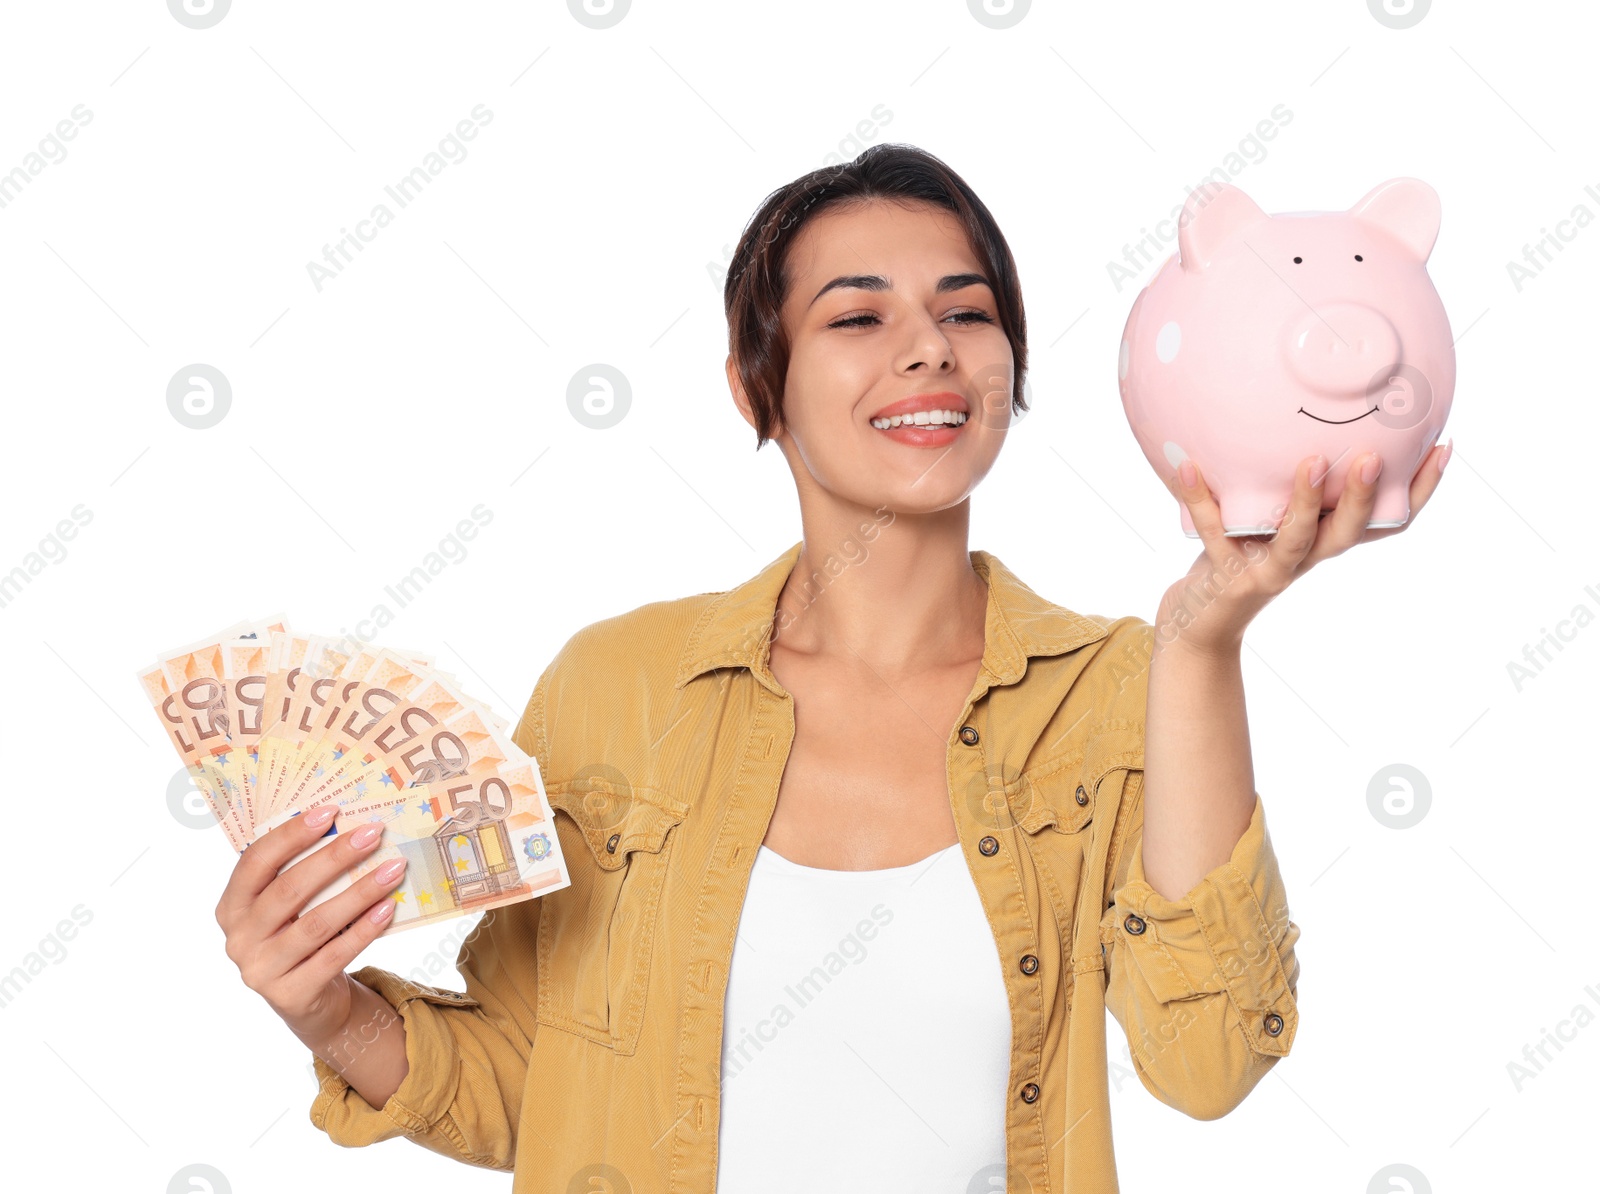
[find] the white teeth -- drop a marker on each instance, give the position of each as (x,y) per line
(922,418)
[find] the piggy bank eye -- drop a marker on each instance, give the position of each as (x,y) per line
(1358,256)
(1297,261)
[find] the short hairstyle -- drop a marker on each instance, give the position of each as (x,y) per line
(757,283)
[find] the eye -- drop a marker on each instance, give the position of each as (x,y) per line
(1358,256)
(1297,261)
(867,317)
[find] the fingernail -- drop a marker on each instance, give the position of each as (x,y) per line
(1444,457)
(365,836)
(321,816)
(1319,470)
(1371,469)
(387,872)
(1186,473)
(382,912)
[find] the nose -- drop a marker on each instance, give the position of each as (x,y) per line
(1338,347)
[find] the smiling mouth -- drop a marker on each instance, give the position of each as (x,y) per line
(1309,415)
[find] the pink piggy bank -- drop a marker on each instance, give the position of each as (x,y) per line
(1267,339)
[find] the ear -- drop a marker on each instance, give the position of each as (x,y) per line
(1407,209)
(742,400)
(737,388)
(1212,215)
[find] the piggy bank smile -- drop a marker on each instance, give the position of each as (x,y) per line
(1320,419)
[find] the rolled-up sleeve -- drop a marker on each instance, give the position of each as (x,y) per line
(1203,986)
(467,1064)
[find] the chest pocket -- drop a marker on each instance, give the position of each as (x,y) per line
(1062,798)
(1063,793)
(597,937)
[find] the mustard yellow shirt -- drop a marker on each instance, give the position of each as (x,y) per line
(588,1042)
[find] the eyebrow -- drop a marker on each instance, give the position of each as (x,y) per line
(879,282)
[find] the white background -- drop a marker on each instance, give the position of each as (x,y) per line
(586,224)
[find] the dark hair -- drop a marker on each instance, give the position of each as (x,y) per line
(754,291)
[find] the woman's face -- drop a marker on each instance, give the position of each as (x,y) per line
(888,302)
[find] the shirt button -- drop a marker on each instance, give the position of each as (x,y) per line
(611,843)
(1030,1093)
(969,735)
(1273,1024)
(1133,924)
(988,847)
(1030,965)
(1082,797)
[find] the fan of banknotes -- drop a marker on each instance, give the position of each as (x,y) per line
(273,724)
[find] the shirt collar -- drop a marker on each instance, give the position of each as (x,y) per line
(1018,625)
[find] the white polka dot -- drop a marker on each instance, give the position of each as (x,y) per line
(1167,341)
(1174,454)
(1122,362)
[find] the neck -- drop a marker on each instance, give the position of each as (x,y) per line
(893,591)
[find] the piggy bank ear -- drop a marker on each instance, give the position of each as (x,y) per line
(1407,209)
(1212,215)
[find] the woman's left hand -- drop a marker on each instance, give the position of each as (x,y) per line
(1233,579)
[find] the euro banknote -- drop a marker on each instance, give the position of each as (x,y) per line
(271,723)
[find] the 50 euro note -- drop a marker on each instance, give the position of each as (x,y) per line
(463,856)
(204,770)
(190,690)
(244,669)
(312,683)
(270,724)
(461,760)
(433,733)
(273,752)
(347,687)
(354,717)
(294,734)
(370,681)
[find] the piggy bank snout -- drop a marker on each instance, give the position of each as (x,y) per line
(1337,348)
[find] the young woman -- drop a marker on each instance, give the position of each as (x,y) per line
(862,849)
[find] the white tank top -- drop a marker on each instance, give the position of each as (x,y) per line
(866,1035)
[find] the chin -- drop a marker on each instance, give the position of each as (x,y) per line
(920,498)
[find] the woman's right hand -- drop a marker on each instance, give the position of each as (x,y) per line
(297,963)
